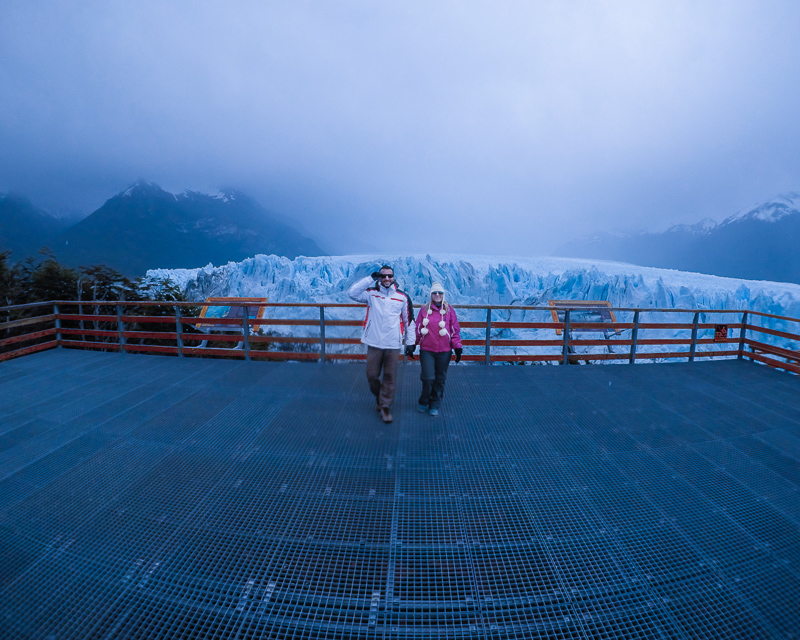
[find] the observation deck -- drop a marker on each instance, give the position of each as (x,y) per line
(147,496)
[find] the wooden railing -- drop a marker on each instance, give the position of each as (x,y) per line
(113,326)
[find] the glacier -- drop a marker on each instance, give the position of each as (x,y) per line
(497,280)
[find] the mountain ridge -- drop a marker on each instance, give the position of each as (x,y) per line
(145,226)
(757,243)
(25,228)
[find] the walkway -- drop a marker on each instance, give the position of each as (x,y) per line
(147,496)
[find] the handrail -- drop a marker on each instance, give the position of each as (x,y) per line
(29,305)
(161,303)
(120,331)
(772,315)
(513,307)
(183,304)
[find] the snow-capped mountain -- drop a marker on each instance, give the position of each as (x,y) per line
(758,243)
(481,280)
(145,226)
(706,225)
(773,211)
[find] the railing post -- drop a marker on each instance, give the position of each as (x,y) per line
(58,326)
(322,334)
(246,333)
(693,347)
(565,351)
(742,335)
(178,330)
(120,329)
(487,359)
(634,337)
(83,328)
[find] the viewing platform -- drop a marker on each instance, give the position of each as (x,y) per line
(145,496)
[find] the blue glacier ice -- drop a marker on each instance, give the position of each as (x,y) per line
(496,280)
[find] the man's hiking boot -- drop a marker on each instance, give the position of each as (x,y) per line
(386,416)
(422,408)
(434,411)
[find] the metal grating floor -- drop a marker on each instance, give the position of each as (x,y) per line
(151,497)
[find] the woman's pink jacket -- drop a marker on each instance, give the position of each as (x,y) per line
(432,341)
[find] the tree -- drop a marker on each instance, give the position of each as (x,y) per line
(29,281)
(14,280)
(50,280)
(100,282)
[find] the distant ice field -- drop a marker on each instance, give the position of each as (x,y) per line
(494,280)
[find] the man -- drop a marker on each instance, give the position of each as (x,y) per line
(389,320)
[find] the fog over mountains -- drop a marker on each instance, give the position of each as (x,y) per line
(24,228)
(762,243)
(146,227)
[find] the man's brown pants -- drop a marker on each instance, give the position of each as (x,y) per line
(385,359)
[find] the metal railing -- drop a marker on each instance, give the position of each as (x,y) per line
(129,327)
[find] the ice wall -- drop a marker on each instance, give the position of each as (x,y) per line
(491,280)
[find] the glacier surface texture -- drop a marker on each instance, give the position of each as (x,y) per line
(486,280)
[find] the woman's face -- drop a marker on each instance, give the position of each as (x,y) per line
(437,296)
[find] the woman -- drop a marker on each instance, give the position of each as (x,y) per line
(437,332)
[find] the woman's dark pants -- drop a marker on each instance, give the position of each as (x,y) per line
(434,372)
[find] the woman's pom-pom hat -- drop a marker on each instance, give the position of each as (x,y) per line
(438,288)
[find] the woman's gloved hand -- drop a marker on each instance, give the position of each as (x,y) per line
(458,354)
(410,351)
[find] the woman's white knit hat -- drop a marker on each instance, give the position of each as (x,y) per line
(438,288)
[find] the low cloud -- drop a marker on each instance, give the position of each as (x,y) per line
(478,127)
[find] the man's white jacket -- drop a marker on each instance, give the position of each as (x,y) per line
(387,320)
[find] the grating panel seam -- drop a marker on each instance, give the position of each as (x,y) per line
(66,435)
(717,508)
(641,579)
(709,562)
(642,582)
(482,604)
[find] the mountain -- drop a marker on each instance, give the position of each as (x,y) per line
(481,280)
(24,228)
(757,244)
(145,227)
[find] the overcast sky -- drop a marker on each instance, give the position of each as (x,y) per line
(435,126)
